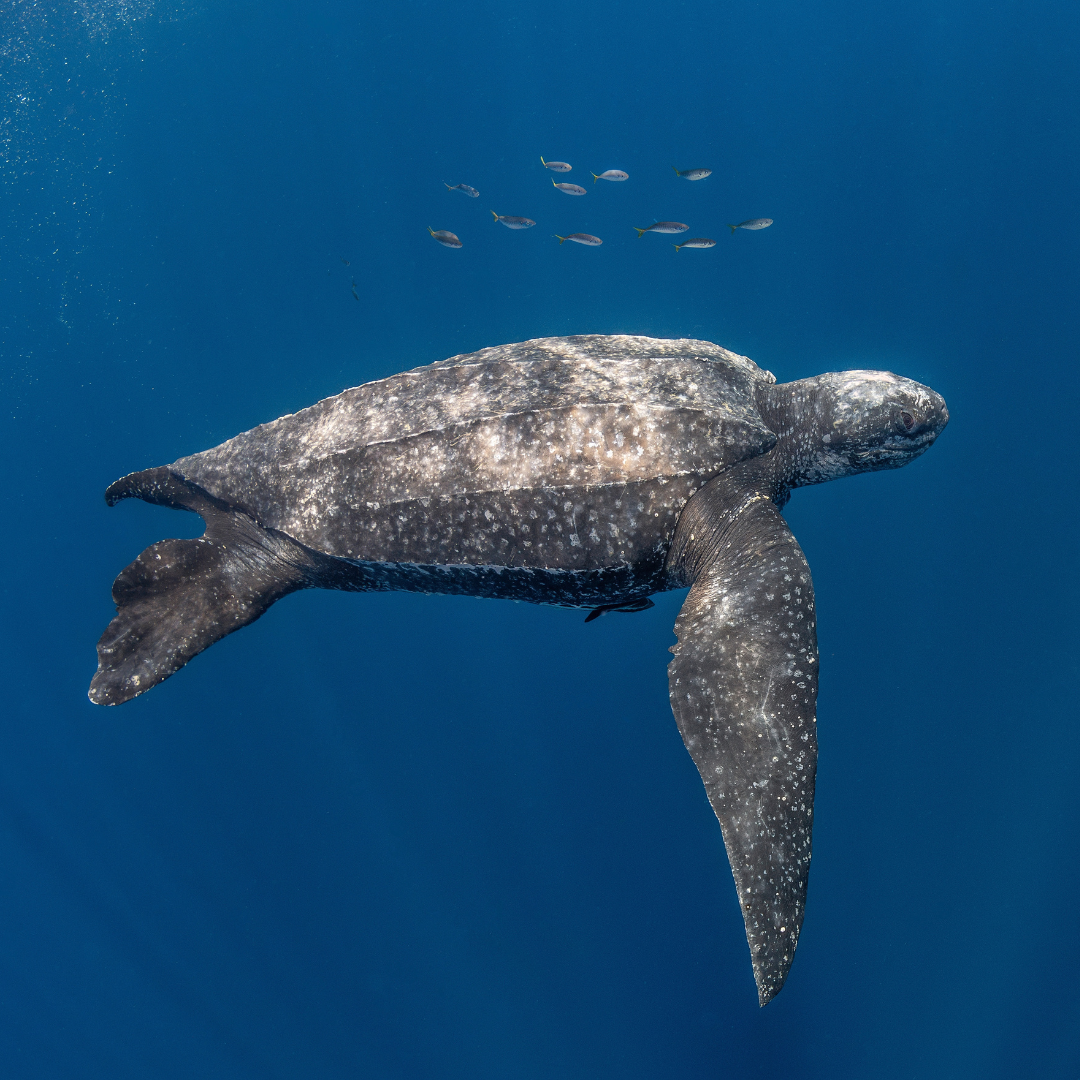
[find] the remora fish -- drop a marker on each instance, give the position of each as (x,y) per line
(514,222)
(556,166)
(692,174)
(447,239)
(753,224)
(580,238)
(570,189)
(663,227)
(611,174)
(697,242)
(470,191)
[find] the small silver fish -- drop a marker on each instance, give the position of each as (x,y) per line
(470,191)
(556,166)
(447,239)
(611,174)
(692,174)
(662,227)
(514,222)
(753,224)
(580,238)
(570,189)
(697,242)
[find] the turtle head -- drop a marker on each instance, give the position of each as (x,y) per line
(850,422)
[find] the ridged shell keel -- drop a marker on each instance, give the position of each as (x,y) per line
(548,442)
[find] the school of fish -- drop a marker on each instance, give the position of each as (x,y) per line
(451,240)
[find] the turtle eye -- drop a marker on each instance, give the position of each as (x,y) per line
(909,420)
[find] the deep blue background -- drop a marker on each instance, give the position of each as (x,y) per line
(410,837)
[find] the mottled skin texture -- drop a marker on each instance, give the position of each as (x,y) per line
(586,472)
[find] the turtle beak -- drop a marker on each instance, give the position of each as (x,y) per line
(930,414)
(936,415)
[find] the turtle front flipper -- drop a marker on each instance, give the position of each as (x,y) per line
(743,688)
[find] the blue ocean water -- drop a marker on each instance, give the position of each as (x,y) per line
(397,836)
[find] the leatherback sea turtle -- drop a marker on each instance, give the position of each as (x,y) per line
(579,471)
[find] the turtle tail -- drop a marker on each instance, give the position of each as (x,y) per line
(180,596)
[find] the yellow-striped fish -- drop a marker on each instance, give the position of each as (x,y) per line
(662,227)
(514,222)
(692,174)
(446,238)
(753,224)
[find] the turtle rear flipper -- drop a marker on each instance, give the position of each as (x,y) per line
(743,687)
(180,596)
